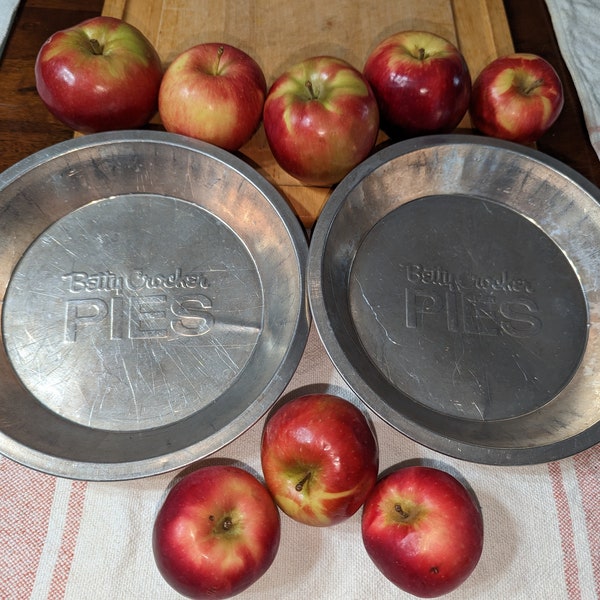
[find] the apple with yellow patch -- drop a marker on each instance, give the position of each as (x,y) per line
(321,120)
(216,533)
(516,97)
(213,92)
(320,458)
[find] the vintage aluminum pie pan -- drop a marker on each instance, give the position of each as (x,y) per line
(454,281)
(153,304)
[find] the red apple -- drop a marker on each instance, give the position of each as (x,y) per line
(216,533)
(421,82)
(321,119)
(516,97)
(423,530)
(99,75)
(213,92)
(320,458)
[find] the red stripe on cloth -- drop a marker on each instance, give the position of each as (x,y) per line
(64,561)
(587,470)
(565,528)
(25,506)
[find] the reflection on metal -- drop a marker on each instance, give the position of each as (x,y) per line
(453,281)
(154,304)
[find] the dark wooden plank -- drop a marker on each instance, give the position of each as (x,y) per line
(25,124)
(568,139)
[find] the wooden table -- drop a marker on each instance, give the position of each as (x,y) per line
(26,126)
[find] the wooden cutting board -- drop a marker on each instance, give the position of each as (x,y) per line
(277,34)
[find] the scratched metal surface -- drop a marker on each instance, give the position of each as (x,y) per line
(454,282)
(154,304)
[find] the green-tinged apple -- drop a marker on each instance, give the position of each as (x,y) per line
(321,120)
(213,92)
(320,458)
(423,530)
(102,74)
(516,97)
(421,82)
(216,533)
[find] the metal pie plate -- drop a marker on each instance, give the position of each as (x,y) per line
(154,304)
(454,281)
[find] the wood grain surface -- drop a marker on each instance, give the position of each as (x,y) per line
(279,34)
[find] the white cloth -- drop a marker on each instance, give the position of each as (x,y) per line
(577,27)
(8,9)
(64,540)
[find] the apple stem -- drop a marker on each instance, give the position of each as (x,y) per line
(300,484)
(311,90)
(532,86)
(398,508)
(96,47)
(220,51)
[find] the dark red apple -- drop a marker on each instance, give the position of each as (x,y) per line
(421,82)
(99,75)
(423,530)
(216,533)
